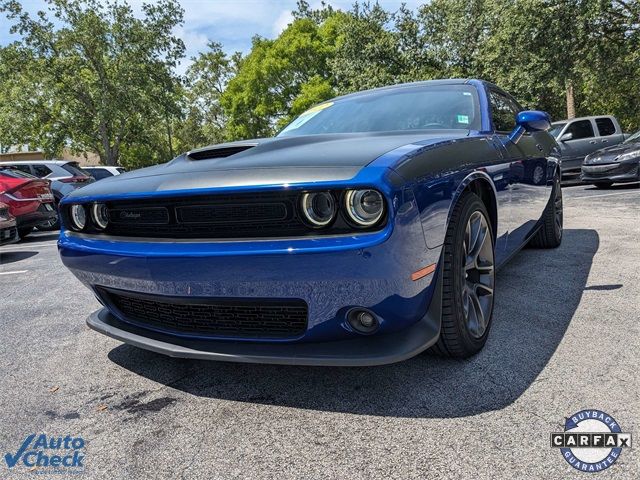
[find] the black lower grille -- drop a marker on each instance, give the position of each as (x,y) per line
(215,317)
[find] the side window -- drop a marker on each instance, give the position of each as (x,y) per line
(100,173)
(41,170)
(503,111)
(23,168)
(605,126)
(580,129)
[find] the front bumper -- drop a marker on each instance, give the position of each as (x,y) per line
(621,172)
(332,275)
(8,232)
(358,351)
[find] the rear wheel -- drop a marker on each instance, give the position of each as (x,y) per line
(550,233)
(603,184)
(468,280)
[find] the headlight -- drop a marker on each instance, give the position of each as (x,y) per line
(628,156)
(319,208)
(100,215)
(78,217)
(364,207)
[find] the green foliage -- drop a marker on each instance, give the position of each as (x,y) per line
(260,98)
(98,82)
(91,76)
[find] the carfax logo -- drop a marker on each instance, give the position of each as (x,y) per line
(592,440)
(49,453)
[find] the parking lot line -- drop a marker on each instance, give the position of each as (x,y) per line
(14,272)
(27,246)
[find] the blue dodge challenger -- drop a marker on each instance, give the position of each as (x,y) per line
(367,231)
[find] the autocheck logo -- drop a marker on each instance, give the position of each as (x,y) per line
(49,454)
(592,440)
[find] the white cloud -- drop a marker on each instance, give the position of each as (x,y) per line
(283,20)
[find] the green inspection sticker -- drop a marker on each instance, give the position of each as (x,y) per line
(463,119)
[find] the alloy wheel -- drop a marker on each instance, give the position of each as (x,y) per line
(478,274)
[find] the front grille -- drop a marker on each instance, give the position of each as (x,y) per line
(231,216)
(212,317)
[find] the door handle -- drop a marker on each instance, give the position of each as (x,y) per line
(605,141)
(592,142)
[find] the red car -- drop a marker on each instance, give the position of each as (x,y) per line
(8,230)
(29,199)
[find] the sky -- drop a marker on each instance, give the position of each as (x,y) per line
(231,23)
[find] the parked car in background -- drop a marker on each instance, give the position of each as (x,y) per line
(65,177)
(30,199)
(615,164)
(579,137)
(8,228)
(63,170)
(99,172)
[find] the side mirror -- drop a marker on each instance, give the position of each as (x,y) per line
(566,136)
(530,121)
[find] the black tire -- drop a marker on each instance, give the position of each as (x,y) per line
(458,337)
(550,233)
(603,184)
(23,232)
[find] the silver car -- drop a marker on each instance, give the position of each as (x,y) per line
(579,137)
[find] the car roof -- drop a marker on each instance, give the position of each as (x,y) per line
(423,83)
(590,117)
(29,162)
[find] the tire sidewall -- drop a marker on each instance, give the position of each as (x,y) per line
(472,204)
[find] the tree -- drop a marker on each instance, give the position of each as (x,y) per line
(279,75)
(206,80)
(376,47)
(100,81)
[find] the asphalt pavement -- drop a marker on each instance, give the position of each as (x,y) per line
(565,337)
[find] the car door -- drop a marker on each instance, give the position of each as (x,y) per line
(576,142)
(528,183)
(607,134)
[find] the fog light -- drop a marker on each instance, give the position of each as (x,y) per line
(363,321)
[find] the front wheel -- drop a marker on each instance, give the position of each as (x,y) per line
(468,280)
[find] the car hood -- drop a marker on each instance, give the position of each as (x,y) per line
(610,154)
(268,161)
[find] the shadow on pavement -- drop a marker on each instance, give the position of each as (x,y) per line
(39,237)
(12,257)
(538,294)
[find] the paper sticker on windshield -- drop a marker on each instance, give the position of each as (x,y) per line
(306,116)
(463,119)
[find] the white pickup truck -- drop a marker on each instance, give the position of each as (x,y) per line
(579,137)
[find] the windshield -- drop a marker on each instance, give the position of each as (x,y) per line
(556,128)
(407,108)
(633,138)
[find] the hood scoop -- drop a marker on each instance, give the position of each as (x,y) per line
(218,152)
